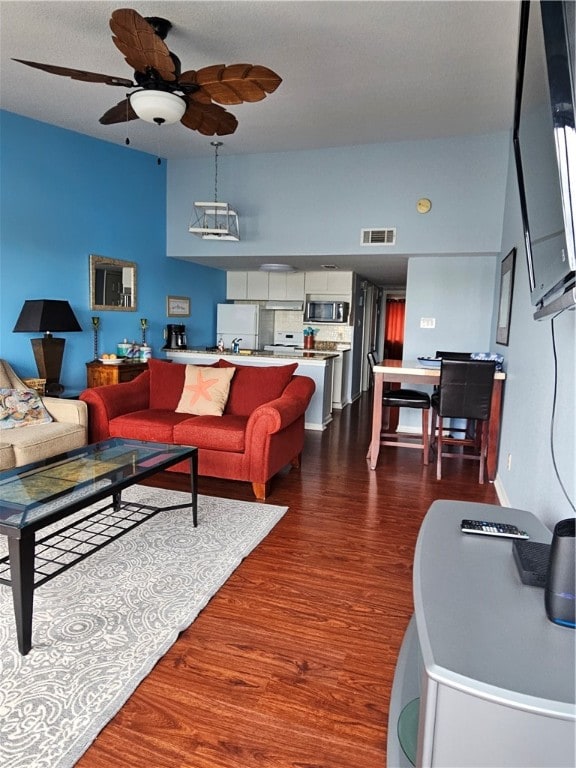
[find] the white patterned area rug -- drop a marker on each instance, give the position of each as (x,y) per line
(101,626)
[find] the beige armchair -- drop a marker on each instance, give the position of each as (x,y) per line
(24,445)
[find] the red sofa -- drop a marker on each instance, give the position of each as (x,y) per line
(260,431)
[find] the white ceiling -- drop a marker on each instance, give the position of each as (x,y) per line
(353,72)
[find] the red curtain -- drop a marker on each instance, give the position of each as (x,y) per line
(394,329)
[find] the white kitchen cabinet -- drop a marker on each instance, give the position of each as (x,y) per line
(247,285)
(236,285)
(286,286)
(257,286)
(339,379)
(329,283)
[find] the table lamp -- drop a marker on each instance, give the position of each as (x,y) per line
(48,315)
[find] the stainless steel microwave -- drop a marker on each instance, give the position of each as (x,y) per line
(327,312)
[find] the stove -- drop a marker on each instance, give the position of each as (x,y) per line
(286,341)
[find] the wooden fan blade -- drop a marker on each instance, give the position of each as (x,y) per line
(140,45)
(121,113)
(187,80)
(237,83)
(79,74)
(208,119)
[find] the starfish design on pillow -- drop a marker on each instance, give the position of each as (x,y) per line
(201,389)
(205,390)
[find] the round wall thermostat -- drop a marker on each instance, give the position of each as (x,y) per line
(423,205)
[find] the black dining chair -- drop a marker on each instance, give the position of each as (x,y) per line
(405,398)
(453,355)
(464,392)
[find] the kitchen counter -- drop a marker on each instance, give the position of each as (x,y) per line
(317,365)
(239,357)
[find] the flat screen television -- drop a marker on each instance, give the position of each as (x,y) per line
(545,150)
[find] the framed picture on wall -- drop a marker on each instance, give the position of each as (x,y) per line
(177,306)
(505,304)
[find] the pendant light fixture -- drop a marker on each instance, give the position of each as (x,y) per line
(214,221)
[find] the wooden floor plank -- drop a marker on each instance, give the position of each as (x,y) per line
(291,664)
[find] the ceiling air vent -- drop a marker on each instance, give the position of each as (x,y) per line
(378,236)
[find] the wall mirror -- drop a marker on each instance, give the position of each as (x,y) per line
(112,284)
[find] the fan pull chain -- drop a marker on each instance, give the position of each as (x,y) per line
(127,141)
(216,144)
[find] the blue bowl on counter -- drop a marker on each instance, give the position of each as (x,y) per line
(430,362)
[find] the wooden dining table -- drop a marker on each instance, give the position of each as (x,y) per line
(412,372)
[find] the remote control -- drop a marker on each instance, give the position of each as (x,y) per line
(492,529)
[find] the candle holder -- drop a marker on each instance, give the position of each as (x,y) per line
(144,328)
(95,329)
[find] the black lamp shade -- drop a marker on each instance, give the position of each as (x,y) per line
(46,315)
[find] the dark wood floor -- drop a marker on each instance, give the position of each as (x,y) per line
(291,663)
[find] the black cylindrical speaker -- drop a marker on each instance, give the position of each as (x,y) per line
(560,597)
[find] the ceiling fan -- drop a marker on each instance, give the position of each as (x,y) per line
(163,93)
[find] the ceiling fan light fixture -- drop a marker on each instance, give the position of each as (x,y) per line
(160,107)
(276,268)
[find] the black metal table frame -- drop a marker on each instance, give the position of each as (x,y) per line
(22,541)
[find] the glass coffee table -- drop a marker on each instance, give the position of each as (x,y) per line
(37,495)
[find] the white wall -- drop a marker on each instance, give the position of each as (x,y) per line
(316,202)
(532,483)
(457,291)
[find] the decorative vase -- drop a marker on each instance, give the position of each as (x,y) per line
(309,342)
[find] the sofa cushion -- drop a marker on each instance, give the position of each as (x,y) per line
(255,385)
(166,383)
(216,433)
(205,391)
(21,408)
(41,441)
(156,425)
(7,458)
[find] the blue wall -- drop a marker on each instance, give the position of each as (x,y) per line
(65,196)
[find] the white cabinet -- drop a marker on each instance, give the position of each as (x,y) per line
(329,283)
(257,285)
(339,380)
(247,285)
(288,286)
(492,679)
(236,283)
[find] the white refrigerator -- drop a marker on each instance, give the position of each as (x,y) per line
(251,323)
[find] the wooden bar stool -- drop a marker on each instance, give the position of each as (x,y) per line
(465,392)
(405,398)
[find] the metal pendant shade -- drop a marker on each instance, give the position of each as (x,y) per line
(214,221)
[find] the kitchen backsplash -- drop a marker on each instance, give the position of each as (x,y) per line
(289,321)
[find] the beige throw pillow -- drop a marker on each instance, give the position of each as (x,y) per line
(205,390)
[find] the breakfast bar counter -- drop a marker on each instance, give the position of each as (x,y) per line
(315,364)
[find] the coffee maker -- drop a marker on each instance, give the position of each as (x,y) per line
(175,336)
